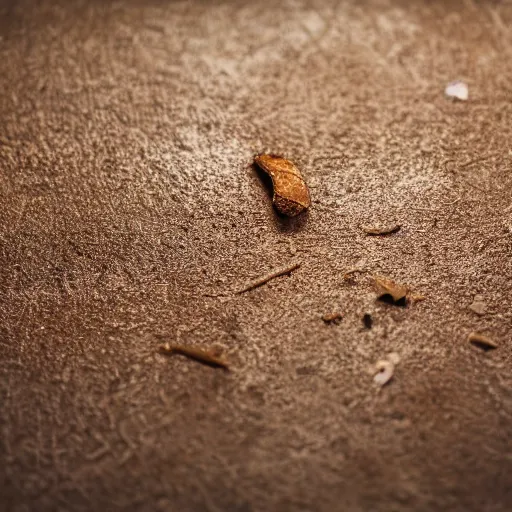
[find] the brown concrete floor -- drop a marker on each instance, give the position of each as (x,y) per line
(127,201)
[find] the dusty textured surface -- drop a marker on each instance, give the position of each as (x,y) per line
(129,212)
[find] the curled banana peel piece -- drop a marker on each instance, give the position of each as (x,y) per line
(291,194)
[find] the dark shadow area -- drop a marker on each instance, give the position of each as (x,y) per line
(291,224)
(388,299)
(367,320)
(265,179)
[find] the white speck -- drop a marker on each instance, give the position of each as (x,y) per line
(384,372)
(458,90)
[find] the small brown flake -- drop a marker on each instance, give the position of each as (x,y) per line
(332,318)
(391,292)
(291,194)
(376,231)
(482,341)
(197,354)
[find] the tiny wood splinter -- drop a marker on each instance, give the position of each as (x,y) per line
(291,194)
(197,354)
(378,231)
(265,279)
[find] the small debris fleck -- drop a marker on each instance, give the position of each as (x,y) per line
(391,292)
(457,90)
(376,231)
(482,341)
(478,306)
(332,318)
(384,371)
(197,354)
(349,275)
(291,194)
(367,320)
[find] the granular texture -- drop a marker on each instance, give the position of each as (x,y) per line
(130,211)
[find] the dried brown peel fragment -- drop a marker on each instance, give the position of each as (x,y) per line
(391,292)
(291,194)
(482,341)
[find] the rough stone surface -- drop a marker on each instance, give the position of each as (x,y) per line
(129,212)
(478,306)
